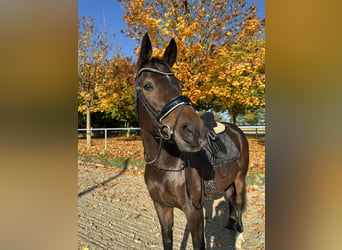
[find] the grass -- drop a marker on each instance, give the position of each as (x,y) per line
(118,162)
(255,178)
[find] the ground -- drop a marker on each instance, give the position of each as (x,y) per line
(116,212)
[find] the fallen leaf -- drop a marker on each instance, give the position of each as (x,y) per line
(142,208)
(257,225)
(220,244)
(220,212)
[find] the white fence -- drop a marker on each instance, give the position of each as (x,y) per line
(253,130)
(106,131)
(247,130)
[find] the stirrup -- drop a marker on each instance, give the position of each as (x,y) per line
(211,185)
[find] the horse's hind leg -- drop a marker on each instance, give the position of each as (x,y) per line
(240,188)
(236,195)
(230,195)
(165,216)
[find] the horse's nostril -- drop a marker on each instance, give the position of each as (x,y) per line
(192,134)
(187,130)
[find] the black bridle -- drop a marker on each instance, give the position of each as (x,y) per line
(166,110)
(170,106)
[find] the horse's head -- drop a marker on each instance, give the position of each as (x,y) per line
(162,109)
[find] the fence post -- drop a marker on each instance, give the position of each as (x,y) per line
(105,138)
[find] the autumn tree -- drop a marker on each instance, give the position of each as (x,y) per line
(93,49)
(239,74)
(117,93)
(220,50)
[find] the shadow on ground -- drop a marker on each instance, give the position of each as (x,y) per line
(217,236)
(125,165)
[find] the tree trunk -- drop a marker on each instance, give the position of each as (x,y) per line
(88,127)
(128,133)
(234,118)
(235,110)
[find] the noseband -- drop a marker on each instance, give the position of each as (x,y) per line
(166,110)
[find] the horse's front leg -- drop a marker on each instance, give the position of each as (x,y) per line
(165,215)
(195,221)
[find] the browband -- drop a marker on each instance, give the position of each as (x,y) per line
(153,70)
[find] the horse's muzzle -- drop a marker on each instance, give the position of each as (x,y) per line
(193,135)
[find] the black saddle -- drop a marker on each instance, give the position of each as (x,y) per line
(220,149)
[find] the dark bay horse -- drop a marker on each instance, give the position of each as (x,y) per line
(172,135)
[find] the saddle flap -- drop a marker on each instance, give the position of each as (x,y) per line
(225,150)
(221,148)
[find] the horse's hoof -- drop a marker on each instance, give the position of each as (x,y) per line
(234,225)
(231,224)
(239,227)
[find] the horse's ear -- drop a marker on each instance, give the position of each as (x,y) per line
(170,53)
(145,50)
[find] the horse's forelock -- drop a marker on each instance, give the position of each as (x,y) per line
(157,63)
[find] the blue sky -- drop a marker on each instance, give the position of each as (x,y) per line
(109,14)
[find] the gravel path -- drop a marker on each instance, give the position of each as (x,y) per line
(116,212)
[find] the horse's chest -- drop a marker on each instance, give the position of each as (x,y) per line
(165,187)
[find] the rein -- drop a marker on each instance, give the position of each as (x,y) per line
(166,110)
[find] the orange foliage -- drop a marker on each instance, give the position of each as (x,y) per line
(104,84)
(92,51)
(220,52)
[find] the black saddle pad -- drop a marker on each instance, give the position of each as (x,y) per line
(221,149)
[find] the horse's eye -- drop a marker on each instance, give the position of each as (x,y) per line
(148,86)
